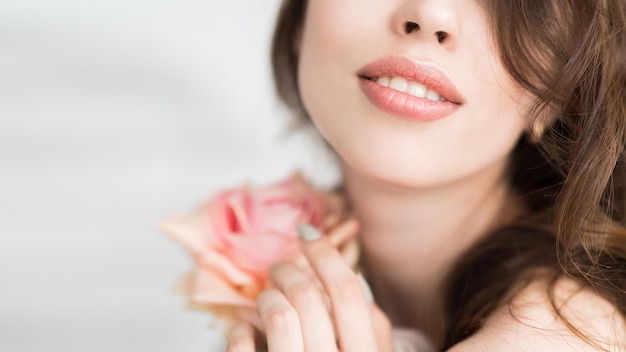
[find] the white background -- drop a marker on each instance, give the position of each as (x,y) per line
(114,114)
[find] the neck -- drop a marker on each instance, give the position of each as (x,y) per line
(411,237)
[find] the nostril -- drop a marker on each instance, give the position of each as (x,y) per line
(411,26)
(441,36)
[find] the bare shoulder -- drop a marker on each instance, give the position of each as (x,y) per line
(531,322)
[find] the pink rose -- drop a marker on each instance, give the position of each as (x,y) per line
(236,236)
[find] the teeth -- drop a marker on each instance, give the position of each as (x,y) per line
(383,81)
(417,90)
(409,87)
(399,84)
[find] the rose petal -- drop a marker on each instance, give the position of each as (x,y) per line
(219,263)
(285,205)
(217,219)
(240,204)
(279,219)
(255,253)
(209,288)
(238,234)
(187,230)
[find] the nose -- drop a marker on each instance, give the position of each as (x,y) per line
(431,20)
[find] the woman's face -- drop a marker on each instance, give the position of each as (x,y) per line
(409,92)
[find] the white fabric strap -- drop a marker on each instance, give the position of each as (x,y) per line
(409,340)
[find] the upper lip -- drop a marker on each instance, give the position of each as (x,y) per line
(427,74)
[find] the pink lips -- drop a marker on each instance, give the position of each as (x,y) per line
(405,105)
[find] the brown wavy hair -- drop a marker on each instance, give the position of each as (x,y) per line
(571,55)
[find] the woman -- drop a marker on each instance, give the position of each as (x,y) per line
(482,150)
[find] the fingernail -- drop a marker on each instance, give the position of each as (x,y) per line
(369,296)
(308,233)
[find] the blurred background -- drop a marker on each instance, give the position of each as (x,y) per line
(113,115)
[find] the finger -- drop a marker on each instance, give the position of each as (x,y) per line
(241,338)
(343,232)
(351,311)
(340,238)
(281,322)
(307,300)
(382,329)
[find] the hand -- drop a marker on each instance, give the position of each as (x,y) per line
(299,314)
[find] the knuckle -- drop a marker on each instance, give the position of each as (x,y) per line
(303,295)
(280,319)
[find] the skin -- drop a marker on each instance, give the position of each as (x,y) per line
(296,317)
(395,169)
(423,192)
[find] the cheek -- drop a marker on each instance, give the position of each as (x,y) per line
(335,41)
(499,95)
(325,26)
(323,70)
(496,118)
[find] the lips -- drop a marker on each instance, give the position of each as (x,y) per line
(410,90)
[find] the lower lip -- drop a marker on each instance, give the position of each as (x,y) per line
(404,105)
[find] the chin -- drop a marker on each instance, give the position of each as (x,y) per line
(396,173)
